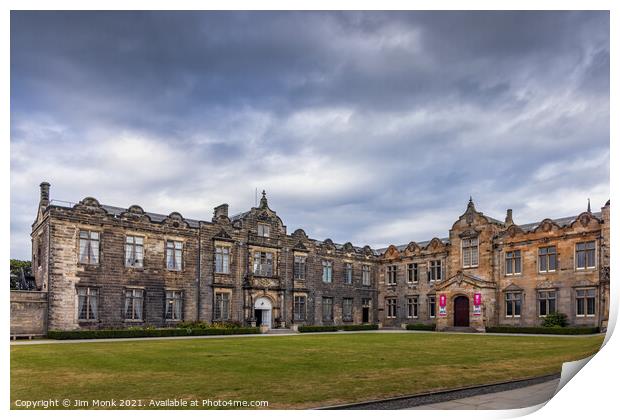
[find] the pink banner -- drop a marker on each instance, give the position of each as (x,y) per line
(477,299)
(442,301)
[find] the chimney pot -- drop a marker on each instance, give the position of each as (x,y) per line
(45,193)
(509,217)
(221,211)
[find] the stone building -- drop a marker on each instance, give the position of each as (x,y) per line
(105,266)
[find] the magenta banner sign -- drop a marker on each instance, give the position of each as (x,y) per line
(442,300)
(477,299)
(442,305)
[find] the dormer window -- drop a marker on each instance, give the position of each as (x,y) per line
(470,252)
(263,230)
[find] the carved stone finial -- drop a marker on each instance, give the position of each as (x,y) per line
(263,200)
(470,205)
(589,209)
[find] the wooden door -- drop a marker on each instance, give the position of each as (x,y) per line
(461,312)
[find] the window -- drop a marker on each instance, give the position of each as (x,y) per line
(263,230)
(431,306)
(546,302)
(263,264)
(299,311)
(366,275)
(299,268)
(327,271)
(222,259)
(222,307)
(348,273)
(586,299)
(39,252)
(134,251)
(513,263)
(174,255)
(585,255)
(470,252)
(412,307)
(133,304)
(513,304)
(547,259)
(412,273)
(390,304)
(328,309)
(434,270)
(174,305)
(347,309)
(88,303)
(391,274)
(89,247)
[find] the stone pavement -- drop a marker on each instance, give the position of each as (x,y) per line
(516,398)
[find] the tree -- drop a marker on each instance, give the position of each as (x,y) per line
(19,270)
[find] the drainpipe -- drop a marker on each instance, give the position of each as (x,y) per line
(198,273)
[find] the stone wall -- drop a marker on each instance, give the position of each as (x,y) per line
(28,313)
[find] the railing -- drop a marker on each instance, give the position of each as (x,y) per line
(255,239)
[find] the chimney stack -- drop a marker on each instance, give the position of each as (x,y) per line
(220,211)
(44,200)
(508,220)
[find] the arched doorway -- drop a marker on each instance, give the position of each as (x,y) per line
(262,311)
(461,311)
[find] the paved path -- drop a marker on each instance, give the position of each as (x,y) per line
(395,331)
(516,398)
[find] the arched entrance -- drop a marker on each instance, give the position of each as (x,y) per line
(262,311)
(461,311)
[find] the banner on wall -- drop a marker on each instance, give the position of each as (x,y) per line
(442,305)
(477,304)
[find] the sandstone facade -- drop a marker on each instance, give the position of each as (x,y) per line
(105,266)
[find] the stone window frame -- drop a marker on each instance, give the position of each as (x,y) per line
(467,244)
(431,301)
(391,274)
(133,245)
(299,267)
(327,302)
(391,307)
(89,295)
(327,275)
(510,301)
(347,273)
(88,237)
(547,299)
(546,257)
(225,256)
(176,265)
(585,299)
(133,299)
(413,272)
(435,270)
(349,315)
(173,300)
(366,276)
(512,263)
(300,311)
(261,266)
(222,306)
(585,251)
(263,230)
(413,307)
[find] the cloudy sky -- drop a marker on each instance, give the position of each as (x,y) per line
(373,128)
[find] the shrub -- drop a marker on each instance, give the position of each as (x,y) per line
(333,328)
(421,327)
(544,330)
(148,332)
(362,327)
(555,319)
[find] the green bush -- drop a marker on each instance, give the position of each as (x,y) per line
(148,332)
(544,330)
(333,328)
(421,327)
(362,327)
(555,319)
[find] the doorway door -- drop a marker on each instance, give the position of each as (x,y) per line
(461,311)
(262,311)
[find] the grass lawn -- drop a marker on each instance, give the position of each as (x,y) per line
(290,371)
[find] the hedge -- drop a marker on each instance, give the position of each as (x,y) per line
(147,332)
(421,327)
(544,330)
(334,328)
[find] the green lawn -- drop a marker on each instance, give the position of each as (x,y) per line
(290,371)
